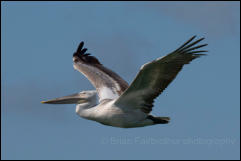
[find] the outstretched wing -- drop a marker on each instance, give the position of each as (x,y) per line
(108,84)
(155,76)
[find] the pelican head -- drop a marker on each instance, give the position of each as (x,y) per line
(77,98)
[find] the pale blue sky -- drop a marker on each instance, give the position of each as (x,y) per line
(39,38)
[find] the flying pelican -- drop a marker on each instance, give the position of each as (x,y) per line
(117,104)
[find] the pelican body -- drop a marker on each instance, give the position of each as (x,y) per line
(114,102)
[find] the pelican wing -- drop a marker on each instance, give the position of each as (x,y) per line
(108,84)
(155,76)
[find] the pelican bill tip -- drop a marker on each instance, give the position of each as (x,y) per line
(43,102)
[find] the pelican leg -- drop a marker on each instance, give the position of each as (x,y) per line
(159,120)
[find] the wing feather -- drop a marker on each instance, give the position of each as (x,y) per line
(154,77)
(108,84)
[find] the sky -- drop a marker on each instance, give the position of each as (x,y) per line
(39,38)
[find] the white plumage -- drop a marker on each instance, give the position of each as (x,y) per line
(114,102)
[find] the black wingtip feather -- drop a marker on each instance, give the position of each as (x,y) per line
(189,46)
(194,48)
(85,57)
(187,42)
(83,51)
(200,51)
(80,46)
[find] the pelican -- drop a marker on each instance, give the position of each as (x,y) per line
(114,102)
